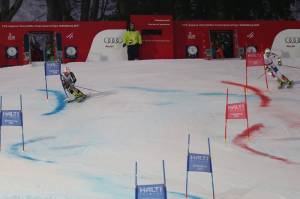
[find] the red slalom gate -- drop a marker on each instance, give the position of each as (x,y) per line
(236,111)
(255,59)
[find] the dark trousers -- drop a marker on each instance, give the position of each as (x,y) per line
(133,52)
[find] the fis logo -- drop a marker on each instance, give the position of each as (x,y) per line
(250,35)
(70,36)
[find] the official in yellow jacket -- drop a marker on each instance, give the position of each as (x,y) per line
(132,39)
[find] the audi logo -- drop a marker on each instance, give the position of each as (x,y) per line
(290,40)
(113,40)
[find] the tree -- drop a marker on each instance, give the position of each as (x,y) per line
(103,9)
(85,10)
(147,7)
(233,9)
(95,9)
(58,10)
(7,12)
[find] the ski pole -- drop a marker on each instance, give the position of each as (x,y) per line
(63,86)
(261,75)
(291,66)
(89,89)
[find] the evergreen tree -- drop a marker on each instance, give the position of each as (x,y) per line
(7,11)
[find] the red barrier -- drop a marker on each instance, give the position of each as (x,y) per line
(163,38)
(157,36)
(22,35)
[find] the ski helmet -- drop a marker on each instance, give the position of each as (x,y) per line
(67,70)
(267,51)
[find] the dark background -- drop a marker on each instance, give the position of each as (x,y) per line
(94,10)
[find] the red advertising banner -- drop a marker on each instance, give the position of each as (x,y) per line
(236,111)
(254,59)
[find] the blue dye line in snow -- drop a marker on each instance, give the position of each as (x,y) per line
(182,195)
(68,147)
(158,90)
(105,186)
(224,94)
(60,100)
(16,150)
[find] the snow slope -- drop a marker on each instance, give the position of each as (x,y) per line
(143,112)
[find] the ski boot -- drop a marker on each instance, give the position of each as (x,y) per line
(290,84)
(79,96)
(281,83)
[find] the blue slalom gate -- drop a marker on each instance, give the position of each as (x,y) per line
(12,118)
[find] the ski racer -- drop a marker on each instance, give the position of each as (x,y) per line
(272,61)
(68,81)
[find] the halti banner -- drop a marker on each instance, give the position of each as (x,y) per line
(236,111)
(155,191)
(199,162)
(52,68)
(11,118)
(150,191)
(254,59)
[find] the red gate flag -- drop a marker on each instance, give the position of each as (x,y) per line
(254,59)
(236,111)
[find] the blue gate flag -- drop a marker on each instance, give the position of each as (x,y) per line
(52,68)
(199,162)
(11,118)
(155,191)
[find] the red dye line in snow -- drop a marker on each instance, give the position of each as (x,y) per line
(239,140)
(265,100)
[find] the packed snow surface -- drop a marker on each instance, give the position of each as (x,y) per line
(143,111)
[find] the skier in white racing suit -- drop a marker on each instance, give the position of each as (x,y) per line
(270,58)
(68,81)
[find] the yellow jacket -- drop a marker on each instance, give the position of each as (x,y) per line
(132,38)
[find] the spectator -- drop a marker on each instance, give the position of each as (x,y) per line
(132,39)
(220,53)
(49,52)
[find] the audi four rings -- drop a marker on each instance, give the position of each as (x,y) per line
(113,40)
(292,40)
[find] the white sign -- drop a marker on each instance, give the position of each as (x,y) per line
(287,43)
(107,45)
